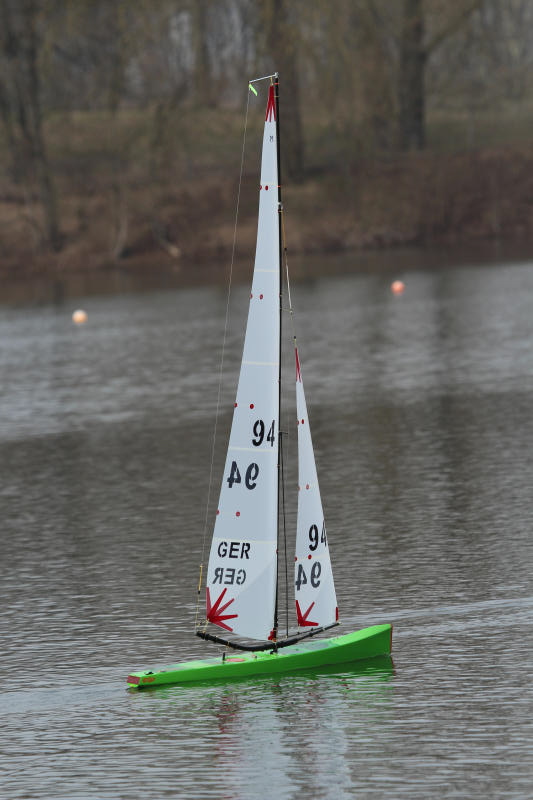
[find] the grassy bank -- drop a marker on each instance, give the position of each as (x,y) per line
(158,191)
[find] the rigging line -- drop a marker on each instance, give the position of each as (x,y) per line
(221,368)
(286,264)
(287,426)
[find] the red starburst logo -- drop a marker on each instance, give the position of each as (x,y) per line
(303,622)
(215,611)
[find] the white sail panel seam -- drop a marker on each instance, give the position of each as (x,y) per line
(253,450)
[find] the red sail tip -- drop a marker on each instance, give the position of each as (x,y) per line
(271,106)
(298,372)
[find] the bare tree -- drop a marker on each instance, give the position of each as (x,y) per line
(20,101)
(281,40)
(411,94)
(415,50)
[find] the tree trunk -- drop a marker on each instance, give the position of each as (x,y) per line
(411,91)
(21,108)
(42,169)
(202,71)
(282,40)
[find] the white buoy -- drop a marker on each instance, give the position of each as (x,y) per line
(79,316)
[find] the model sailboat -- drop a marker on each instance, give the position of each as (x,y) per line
(242,576)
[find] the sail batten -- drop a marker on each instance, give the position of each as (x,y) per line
(260,363)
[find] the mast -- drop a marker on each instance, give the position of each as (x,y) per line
(280,257)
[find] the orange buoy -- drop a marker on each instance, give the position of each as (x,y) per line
(79,316)
(397,287)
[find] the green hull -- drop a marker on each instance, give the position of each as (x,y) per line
(363,644)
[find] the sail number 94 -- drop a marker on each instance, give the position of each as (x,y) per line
(314,576)
(314,538)
(250,476)
(259,430)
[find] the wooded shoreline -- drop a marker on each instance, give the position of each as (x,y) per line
(122,128)
(415,199)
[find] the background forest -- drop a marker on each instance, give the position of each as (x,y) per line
(121,126)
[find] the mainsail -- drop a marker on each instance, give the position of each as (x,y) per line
(314,591)
(242,571)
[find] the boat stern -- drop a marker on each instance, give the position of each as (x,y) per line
(137,679)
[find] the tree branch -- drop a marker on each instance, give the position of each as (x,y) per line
(452,27)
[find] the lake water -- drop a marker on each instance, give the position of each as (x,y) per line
(423,429)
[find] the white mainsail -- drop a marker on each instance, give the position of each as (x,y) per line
(314,591)
(241,575)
